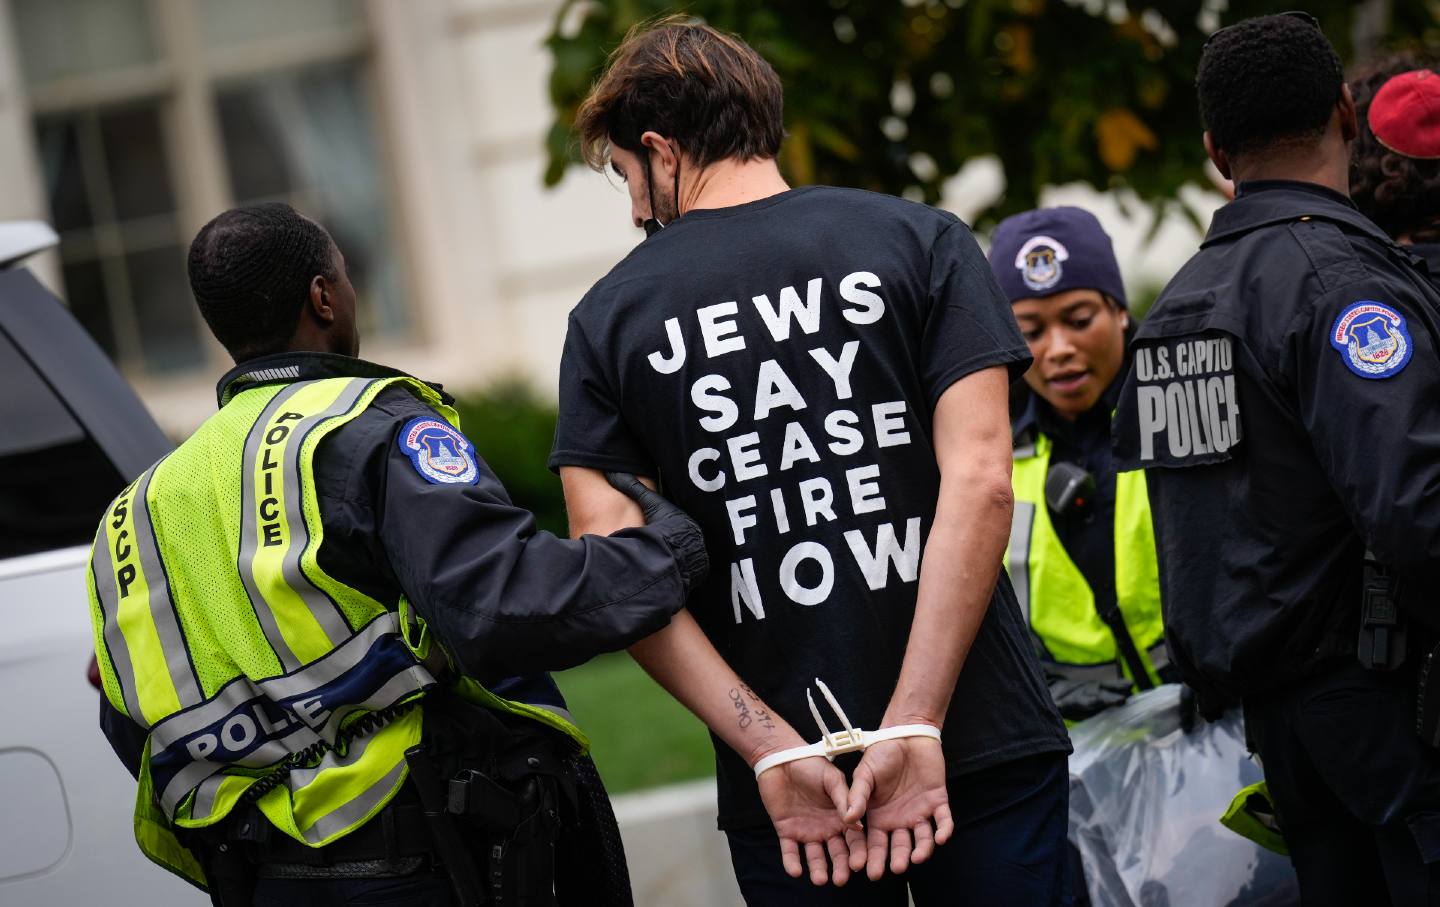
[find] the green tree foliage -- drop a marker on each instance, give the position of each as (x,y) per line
(896,95)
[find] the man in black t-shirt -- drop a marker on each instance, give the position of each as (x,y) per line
(819,376)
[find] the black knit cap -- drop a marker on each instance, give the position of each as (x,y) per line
(250,270)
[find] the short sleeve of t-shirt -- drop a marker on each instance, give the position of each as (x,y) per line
(970,326)
(591,431)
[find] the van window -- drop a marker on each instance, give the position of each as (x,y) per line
(55,482)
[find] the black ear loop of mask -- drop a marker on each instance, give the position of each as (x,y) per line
(652,224)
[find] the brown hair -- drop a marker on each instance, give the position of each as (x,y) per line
(707,90)
(1401,194)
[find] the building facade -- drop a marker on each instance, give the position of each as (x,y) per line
(414,130)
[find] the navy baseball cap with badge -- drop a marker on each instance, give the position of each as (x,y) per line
(1054,250)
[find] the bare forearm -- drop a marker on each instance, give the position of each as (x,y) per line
(680,657)
(971,429)
(961,564)
(682,660)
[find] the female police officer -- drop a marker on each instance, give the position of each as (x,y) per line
(1082,552)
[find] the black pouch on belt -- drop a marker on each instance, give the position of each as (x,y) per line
(1382,644)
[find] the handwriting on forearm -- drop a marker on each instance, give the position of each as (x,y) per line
(745,715)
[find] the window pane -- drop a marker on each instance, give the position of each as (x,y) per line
(255,146)
(226,23)
(136,162)
(58,144)
(43,442)
(112,197)
(307,137)
(59,38)
(85,295)
(164,310)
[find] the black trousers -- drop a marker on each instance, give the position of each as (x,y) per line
(1356,792)
(1009,848)
(423,889)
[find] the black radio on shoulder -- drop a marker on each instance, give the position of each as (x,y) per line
(1069,489)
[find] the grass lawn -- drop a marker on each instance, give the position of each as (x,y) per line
(639,736)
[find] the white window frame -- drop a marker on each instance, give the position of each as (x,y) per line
(184,80)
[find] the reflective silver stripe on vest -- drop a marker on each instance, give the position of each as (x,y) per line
(325,612)
(1109,670)
(1021,522)
(205,795)
(288,686)
(267,754)
(102,574)
(396,688)
(356,808)
(302,777)
(162,605)
(240,691)
(339,660)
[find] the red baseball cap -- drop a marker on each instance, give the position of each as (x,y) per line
(1405,114)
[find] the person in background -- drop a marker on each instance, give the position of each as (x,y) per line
(1082,551)
(1281,398)
(1395,160)
(820,376)
(307,614)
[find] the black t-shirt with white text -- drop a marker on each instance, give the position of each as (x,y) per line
(776,365)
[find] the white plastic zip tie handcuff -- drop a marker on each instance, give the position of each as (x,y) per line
(849,740)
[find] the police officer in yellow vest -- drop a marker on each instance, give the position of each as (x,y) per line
(1082,552)
(322,625)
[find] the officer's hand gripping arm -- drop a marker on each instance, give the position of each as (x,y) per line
(659,512)
(506,599)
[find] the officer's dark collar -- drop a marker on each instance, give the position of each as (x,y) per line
(1037,417)
(1430,253)
(1263,203)
(285,368)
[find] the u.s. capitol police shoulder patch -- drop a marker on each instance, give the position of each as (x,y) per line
(441,454)
(1372,339)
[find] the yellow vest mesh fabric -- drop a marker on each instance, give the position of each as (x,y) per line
(196,488)
(1061,603)
(197,520)
(195,501)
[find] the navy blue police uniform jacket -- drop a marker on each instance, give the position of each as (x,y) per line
(1430,253)
(509,602)
(1284,398)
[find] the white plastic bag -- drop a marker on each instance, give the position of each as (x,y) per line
(1145,806)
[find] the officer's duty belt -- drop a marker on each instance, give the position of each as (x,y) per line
(395,842)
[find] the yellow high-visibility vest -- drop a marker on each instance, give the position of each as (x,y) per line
(254,672)
(1055,598)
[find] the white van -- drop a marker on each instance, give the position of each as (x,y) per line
(72,434)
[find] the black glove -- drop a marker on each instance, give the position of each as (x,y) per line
(679,530)
(1079,699)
